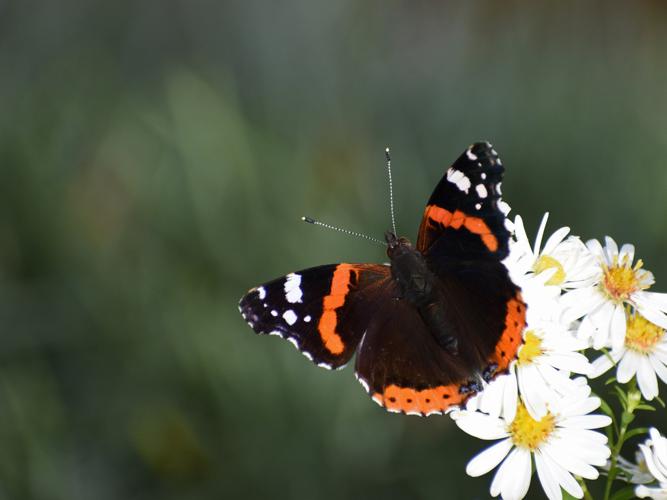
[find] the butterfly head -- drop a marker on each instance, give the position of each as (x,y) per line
(396,244)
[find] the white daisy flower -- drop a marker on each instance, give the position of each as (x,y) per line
(654,450)
(635,473)
(571,263)
(561,443)
(643,354)
(602,305)
(545,360)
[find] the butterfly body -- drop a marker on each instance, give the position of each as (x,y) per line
(419,286)
(430,326)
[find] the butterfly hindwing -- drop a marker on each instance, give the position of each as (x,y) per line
(465,215)
(323,311)
(402,366)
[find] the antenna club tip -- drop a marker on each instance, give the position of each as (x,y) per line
(308,220)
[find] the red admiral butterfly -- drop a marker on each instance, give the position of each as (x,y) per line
(431,325)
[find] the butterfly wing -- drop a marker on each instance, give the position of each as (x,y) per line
(404,369)
(464,237)
(323,311)
(465,215)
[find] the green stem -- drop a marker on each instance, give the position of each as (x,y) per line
(587,494)
(633,400)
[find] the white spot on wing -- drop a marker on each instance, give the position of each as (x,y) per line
(290,317)
(364,384)
(262,292)
(504,207)
(324,365)
(276,332)
(294,342)
(471,156)
(308,355)
(459,179)
(498,188)
(416,413)
(483,176)
(478,206)
(293,291)
(481,190)
(274,313)
(307,318)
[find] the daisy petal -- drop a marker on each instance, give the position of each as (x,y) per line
(648,384)
(555,239)
(618,327)
(627,367)
(488,459)
(587,421)
(650,463)
(564,478)
(596,249)
(627,251)
(549,483)
(560,454)
(604,363)
(611,248)
(481,426)
(659,368)
(540,234)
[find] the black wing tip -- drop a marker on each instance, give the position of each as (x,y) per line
(482,155)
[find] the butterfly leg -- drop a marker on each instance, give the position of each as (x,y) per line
(489,372)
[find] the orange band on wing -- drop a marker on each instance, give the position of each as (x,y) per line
(340,286)
(475,225)
(511,338)
(425,402)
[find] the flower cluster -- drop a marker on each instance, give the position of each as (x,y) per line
(585,300)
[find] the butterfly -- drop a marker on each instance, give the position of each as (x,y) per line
(431,325)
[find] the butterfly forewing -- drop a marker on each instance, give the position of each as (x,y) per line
(465,214)
(323,311)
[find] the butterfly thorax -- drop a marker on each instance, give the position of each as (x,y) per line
(418,286)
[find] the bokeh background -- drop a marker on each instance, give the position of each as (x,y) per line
(155,158)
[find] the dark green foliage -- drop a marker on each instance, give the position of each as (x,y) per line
(155,158)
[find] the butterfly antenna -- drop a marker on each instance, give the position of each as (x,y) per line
(310,220)
(391,190)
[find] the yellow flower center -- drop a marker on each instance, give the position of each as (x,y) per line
(547,262)
(620,279)
(642,335)
(526,432)
(531,348)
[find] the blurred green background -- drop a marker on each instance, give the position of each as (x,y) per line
(155,158)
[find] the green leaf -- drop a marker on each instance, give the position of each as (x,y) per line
(659,400)
(635,432)
(627,419)
(606,409)
(610,381)
(625,494)
(645,407)
(622,397)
